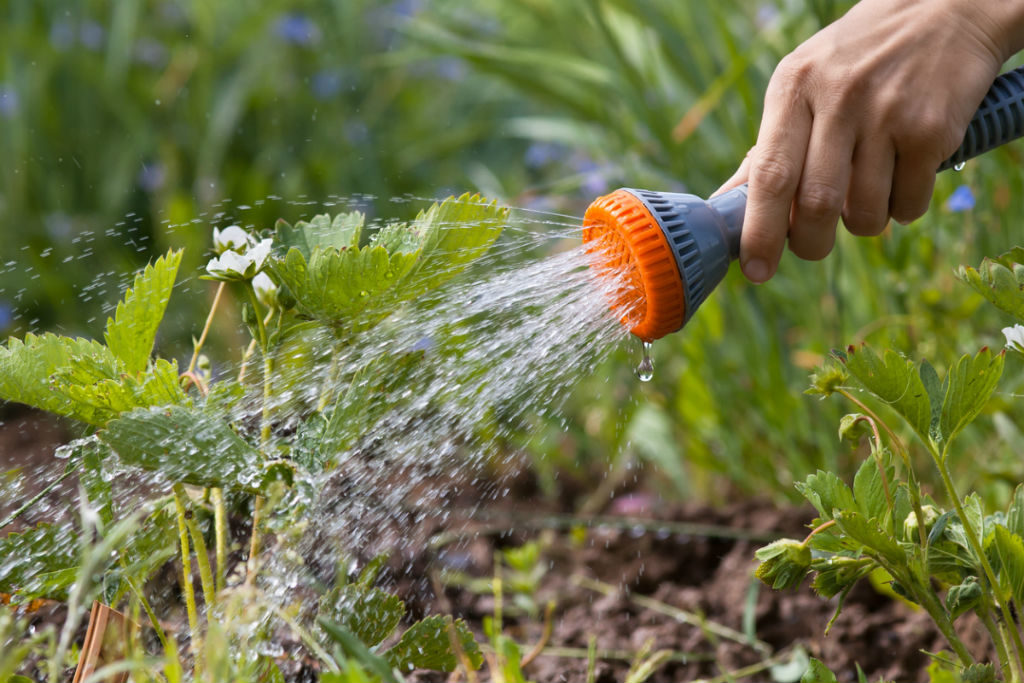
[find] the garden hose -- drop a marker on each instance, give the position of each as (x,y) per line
(669,250)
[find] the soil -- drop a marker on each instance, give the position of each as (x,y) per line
(642,574)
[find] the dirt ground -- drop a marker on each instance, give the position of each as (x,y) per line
(642,573)
(677,577)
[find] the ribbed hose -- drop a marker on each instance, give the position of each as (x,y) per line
(999,119)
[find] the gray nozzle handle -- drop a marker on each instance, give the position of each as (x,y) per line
(999,119)
(731,206)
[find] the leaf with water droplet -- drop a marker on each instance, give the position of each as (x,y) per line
(132,330)
(427,645)
(185,445)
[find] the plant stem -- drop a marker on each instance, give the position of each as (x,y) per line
(206,328)
(36,498)
(186,569)
(997,636)
(203,558)
(818,529)
(990,575)
(261,328)
(221,531)
(930,602)
(254,540)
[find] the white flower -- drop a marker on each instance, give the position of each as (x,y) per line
(232,265)
(266,290)
(231,238)
(1014,338)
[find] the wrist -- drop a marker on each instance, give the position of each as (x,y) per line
(1001,22)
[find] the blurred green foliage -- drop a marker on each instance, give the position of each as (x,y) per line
(127,128)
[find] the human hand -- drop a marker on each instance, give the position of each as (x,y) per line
(858,118)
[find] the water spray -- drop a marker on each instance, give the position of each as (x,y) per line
(670,250)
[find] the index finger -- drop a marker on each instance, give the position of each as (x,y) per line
(773,180)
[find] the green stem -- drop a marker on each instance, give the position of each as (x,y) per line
(261,328)
(997,636)
(254,540)
(203,558)
(931,604)
(186,568)
(990,575)
(221,532)
(327,391)
(206,328)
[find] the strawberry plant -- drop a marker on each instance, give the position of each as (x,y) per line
(945,552)
(248,441)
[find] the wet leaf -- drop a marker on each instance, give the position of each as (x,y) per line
(341,232)
(894,380)
(371,614)
(349,646)
(185,445)
(426,645)
(99,401)
(836,574)
(39,562)
(131,332)
(970,385)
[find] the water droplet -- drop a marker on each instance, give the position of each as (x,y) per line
(960,166)
(364,293)
(645,371)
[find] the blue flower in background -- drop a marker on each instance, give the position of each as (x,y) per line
(962,199)
(6,315)
(297,29)
(8,101)
(92,35)
(62,35)
(326,84)
(152,176)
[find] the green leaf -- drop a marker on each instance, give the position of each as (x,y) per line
(99,401)
(963,597)
(185,445)
(818,673)
(1015,514)
(27,365)
(836,574)
(869,489)
(131,332)
(426,645)
(39,562)
(894,380)
(455,233)
(867,532)
(351,646)
(936,389)
(999,281)
(342,232)
(371,614)
(1010,551)
(827,492)
(970,385)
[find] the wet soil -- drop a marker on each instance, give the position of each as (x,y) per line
(676,577)
(642,573)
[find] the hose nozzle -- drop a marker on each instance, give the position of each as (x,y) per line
(669,250)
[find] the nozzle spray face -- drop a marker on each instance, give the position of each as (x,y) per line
(668,250)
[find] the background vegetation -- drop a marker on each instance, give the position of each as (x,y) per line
(127,128)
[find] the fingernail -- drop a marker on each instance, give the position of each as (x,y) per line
(757,270)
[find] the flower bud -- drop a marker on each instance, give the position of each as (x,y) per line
(784,563)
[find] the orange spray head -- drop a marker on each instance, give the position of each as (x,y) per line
(666,250)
